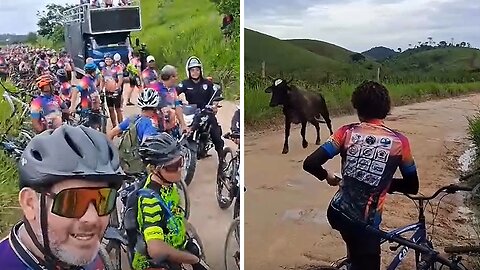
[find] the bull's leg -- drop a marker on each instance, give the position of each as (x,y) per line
(287,134)
(326,117)
(317,127)
(302,132)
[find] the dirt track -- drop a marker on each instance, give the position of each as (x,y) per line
(285,208)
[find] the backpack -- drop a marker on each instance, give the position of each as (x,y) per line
(128,149)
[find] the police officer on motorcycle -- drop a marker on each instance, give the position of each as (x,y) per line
(199,90)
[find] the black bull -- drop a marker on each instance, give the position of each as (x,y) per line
(299,106)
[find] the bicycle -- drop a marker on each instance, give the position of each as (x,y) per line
(426,257)
(233,231)
(228,177)
(115,234)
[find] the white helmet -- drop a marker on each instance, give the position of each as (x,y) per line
(149,98)
(192,62)
(117,57)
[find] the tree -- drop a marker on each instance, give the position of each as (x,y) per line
(31,37)
(442,43)
(430,40)
(409,45)
(50,22)
(357,57)
(399,50)
(463,44)
(230,7)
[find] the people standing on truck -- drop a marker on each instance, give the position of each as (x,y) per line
(111,83)
(150,74)
(133,72)
(200,91)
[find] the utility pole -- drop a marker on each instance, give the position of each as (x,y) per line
(378,74)
(263,69)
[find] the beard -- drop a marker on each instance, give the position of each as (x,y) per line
(70,255)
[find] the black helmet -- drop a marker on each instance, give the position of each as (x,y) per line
(61,73)
(69,153)
(159,149)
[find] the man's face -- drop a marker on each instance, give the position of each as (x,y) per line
(171,81)
(195,72)
(75,241)
(108,61)
(151,64)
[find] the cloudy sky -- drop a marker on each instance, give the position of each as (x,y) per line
(359,25)
(20,16)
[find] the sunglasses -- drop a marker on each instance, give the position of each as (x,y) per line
(173,166)
(74,202)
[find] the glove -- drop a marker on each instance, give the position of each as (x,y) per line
(201,265)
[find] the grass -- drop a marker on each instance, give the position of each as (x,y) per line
(258,114)
(175,30)
(9,211)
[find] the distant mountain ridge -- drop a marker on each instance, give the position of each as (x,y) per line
(380,53)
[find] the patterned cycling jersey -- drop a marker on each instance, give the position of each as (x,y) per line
(86,87)
(156,224)
(371,153)
(13,256)
(112,72)
(168,96)
(65,91)
(47,108)
(149,76)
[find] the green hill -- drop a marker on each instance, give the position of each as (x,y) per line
(292,59)
(323,48)
(380,53)
(175,30)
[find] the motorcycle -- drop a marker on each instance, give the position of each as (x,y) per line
(198,141)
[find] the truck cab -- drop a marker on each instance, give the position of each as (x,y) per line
(92,32)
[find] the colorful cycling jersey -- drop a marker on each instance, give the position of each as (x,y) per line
(42,65)
(65,91)
(149,76)
(112,72)
(371,153)
(13,256)
(168,96)
(47,108)
(145,126)
(86,87)
(155,223)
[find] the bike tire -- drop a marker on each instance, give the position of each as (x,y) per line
(192,233)
(182,186)
(231,232)
(222,179)
(191,163)
(105,257)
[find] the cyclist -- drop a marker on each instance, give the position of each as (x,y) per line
(235,124)
(371,153)
(65,88)
(41,65)
(199,91)
(170,104)
(133,70)
(89,97)
(147,123)
(46,109)
(117,61)
(111,82)
(163,231)
(149,75)
(68,185)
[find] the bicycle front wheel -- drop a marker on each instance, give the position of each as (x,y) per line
(232,254)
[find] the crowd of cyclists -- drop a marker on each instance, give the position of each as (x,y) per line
(70,174)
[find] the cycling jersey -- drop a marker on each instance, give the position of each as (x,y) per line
(168,96)
(371,153)
(47,108)
(156,224)
(112,72)
(146,126)
(65,91)
(86,87)
(14,256)
(149,75)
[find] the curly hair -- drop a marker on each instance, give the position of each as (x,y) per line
(371,100)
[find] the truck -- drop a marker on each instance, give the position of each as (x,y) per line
(92,32)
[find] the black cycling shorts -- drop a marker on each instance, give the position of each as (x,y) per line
(134,81)
(114,101)
(363,247)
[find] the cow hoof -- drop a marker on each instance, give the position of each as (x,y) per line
(285,150)
(305,144)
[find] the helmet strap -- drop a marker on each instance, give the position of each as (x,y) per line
(49,260)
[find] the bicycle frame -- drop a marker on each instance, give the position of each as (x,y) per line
(419,236)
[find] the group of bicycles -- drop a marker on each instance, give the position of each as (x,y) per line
(18,93)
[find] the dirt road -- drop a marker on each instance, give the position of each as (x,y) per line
(285,208)
(209,220)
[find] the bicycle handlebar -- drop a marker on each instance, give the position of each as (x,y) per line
(450,189)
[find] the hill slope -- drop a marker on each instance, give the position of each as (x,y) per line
(285,56)
(323,48)
(176,30)
(380,53)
